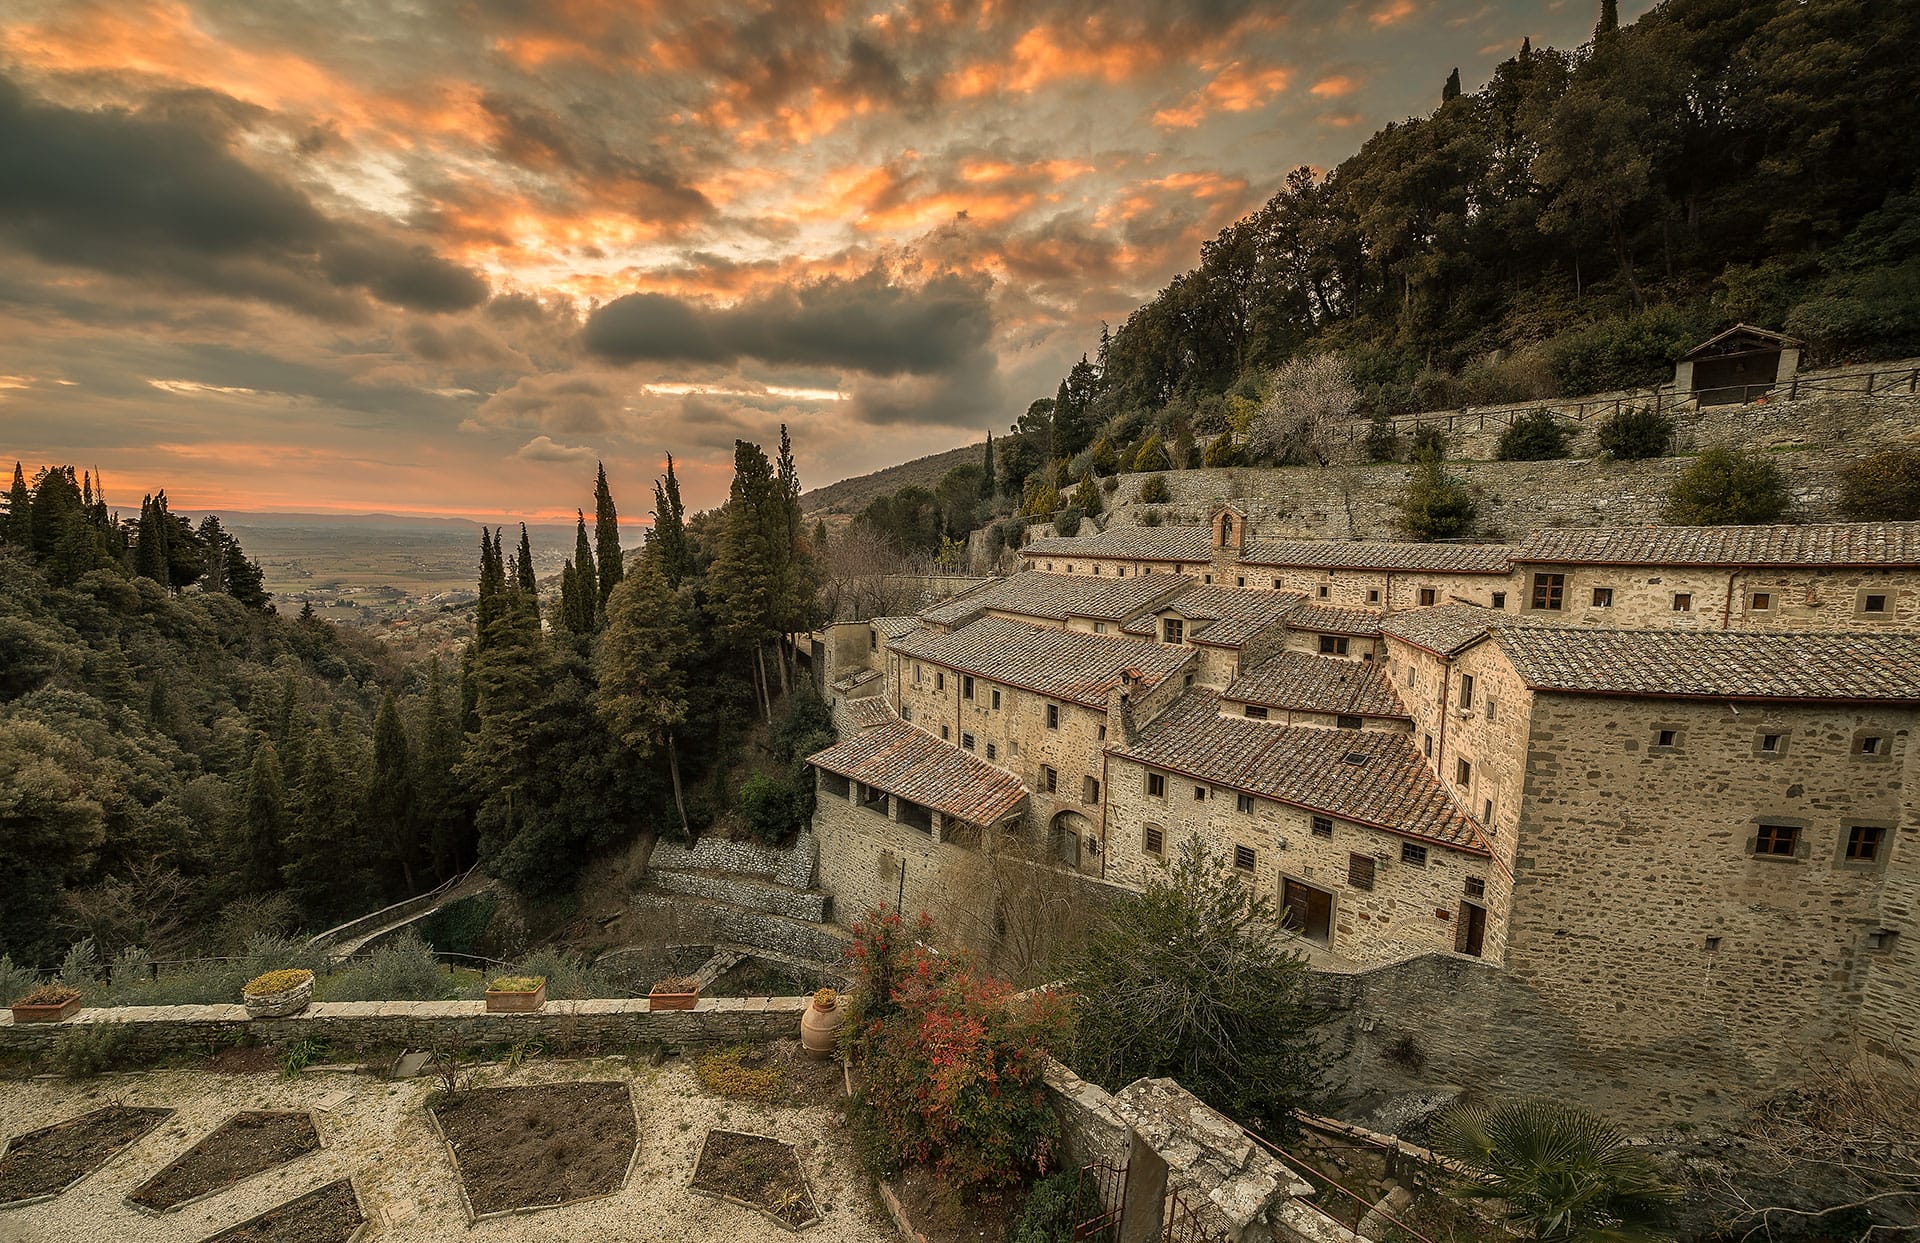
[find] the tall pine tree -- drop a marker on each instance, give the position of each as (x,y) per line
(609,560)
(746,574)
(437,794)
(642,666)
(391,808)
(263,825)
(989,485)
(586,581)
(19,528)
(523,572)
(669,537)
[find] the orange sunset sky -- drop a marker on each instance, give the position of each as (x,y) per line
(438,258)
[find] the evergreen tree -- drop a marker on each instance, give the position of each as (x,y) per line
(150,556)
(1608,27)
(746,573)
(213,544)
(437,794)
(523,566)
(1451,91)
(244,581)
(263,825)
(493,582)
(563,617)
(989,485)
(586,581)
(391,806)
(819,546)
(609,560)
(641,663)
(669,537)
(321,861)
(19,525)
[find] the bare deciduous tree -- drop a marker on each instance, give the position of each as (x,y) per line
(1012,902)
(1308,402)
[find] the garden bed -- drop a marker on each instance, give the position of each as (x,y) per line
(329,1214)
(938,1216)
(779,1073)
(518,1149)
(758,1172)
(244,1145)
(41,1164)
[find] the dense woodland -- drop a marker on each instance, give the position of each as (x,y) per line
(181,768)
(1571,227)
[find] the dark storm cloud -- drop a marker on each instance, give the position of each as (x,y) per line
(159,194)
(868,323)
(575,150)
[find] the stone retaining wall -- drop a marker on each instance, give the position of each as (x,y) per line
(749,891)
(759,929)
(158,1031)
(792,867)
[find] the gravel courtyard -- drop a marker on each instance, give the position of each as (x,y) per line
(377,1132)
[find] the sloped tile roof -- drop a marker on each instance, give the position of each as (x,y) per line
(1716,664)
(909,762)
(1373,777)
(1061,664)
(1379,555)
(1837,544)
(869,712)
(1130,543)
(1058,597)
(1326,619)
(1300,682)
(1442,629)
(1226,616)
(894,627)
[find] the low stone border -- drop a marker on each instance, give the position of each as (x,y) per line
(319,1145)
(812,1199)
(460,1182)
(368,1222)
(122,1151)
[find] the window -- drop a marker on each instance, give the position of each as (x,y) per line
(1097,570)
(1426,745)
(1276,584)
(1090,790)
(1325,590)
(1760,601)
(946,734)
(1187,681)
(1256,712)
(1243,857)
(1360,871)
(1413,854)
(1206,578)
(1493,708)
(995,693)
(1322,826)
(1053,716)
(1547,589)
(1476,887)
(1777,840)
(1428,595)
(1156,785)
(1486,811)
(873,640)
(1153,840)
(966,740)
(1665,739)
(906,712)
(1373,595)
(966,686)
(1463,772)
(1882,940)
(1603,597)
(1240,581)
(1243,803)
(1683,601)
(1346,722)
(1099,627)
(1499,599)
(1770,744)
(1199,794)
(993,752)
(1863,843)
(939,680)
(916,673)
(1870,745)
(1050,779)
(1121,572)
(1172,630)
(1102,732)
(1333,645)
(1873,602)
(1466,691)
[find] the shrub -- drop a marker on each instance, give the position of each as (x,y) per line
(1882,488)
(516,983)
(83,1052)
(1437,506)
(1152,518)
(401,970)
(1622,353)
(1086,498)
(1429,443)
(804,720)
(724,1072)
(951,1073)
(772,807)
(1635,433)
(1052,1212)
(1535,436)
(1152,455)
(1728,487)
(1308,402)
(1383,439)
(1068,523)
(271,982)
(15,981)
(1221,451)
(1154,490)
(568,979)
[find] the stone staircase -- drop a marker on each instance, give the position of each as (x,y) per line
(752,895)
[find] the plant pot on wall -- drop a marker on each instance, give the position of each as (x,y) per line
(516,994)
(50,1003)
(278,994)
(679,992)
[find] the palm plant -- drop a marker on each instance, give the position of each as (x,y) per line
(1563,1173)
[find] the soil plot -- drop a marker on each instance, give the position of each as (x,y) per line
(758,1172)
(537,1147)
(242,1146)
(328,1214)
(46,1162)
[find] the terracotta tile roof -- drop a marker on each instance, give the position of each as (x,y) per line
(869,712)
(1130,543)
(1716,664)
(1223,616)
(1379,555)
(1442,629)
(1326,619)
(1299,682)
(1842,544)
(1058,597)
(1373,777)
(859,677)
(1061,664)
(900,759)
(894,627)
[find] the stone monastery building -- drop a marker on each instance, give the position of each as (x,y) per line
(1662,781)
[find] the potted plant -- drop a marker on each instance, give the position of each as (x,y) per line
(278,994)
(516,994)
(50,1003)
(676,992)
(820,1023)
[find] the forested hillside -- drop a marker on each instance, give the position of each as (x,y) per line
(182,769)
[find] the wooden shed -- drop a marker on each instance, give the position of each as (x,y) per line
(1739,365)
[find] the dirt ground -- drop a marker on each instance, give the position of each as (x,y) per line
(44,1160)
(758,1170)
(543,1144)
(244,1145)
(326,1214)
(378,1133)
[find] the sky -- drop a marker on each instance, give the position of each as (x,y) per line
(413,257)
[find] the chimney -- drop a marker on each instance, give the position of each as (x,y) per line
(1120,728)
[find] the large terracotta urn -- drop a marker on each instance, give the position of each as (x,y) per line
(820,1024)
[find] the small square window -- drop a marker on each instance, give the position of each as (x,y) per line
(1333,645)
(1882,940)
(1413,854)
(1666,738)
(1761,601)
(1172,630)
(1360,871)
(1683,601)
(1187,681)
(1771,744)
(1156,785)
(1324,589)
(1099,627)
(1493,708)
(1199,794)
(1499,599)
(1863,843)
(1347,722)
(1122,571)
(1463,772)
(1776,840)
(1050,779)
(993,753)
(1242,858)
(1870,745)
(966,740)
(1053,716)
(1428,595)
(1322,826)
(1206,578)
(1240,581)
(1373,595)
(1873,602)
(1256,712)
(1153,840)
(1476,887)
(1603,597)
(1243,803)
(1276,584)
(906,712)
(946,734)
(1426,745)
(1102,732)
(1547,590)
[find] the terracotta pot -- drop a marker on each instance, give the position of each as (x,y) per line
(279,1005)
(672,1001)
(820,1027)
(516,1003)
(57,1012)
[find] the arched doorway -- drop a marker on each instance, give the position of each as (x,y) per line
(1065,835)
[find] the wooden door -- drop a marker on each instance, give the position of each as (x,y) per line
(1307,910)
(1470,935)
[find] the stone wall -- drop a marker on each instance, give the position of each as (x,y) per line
(792,866)
(352,1026)
(722,921)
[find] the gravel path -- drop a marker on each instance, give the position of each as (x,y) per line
(377,1132)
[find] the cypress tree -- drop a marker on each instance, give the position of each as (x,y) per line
(19,527)
(523,563)
(669,537)
(319,842)
(609,560)
(989,486)
(390,807)
(1609,24)
(436,794)
(745,577)
(493,583)
(263,826)
(569,602)
(244,580)
(1451,91)
(642,662)
(586,581)
(151,558)
(819,537)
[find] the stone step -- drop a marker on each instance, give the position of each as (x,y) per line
(756,929)
(745,890)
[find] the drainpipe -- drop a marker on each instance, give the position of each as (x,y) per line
(1726,610)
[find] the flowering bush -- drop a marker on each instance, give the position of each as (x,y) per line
(951,1073)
